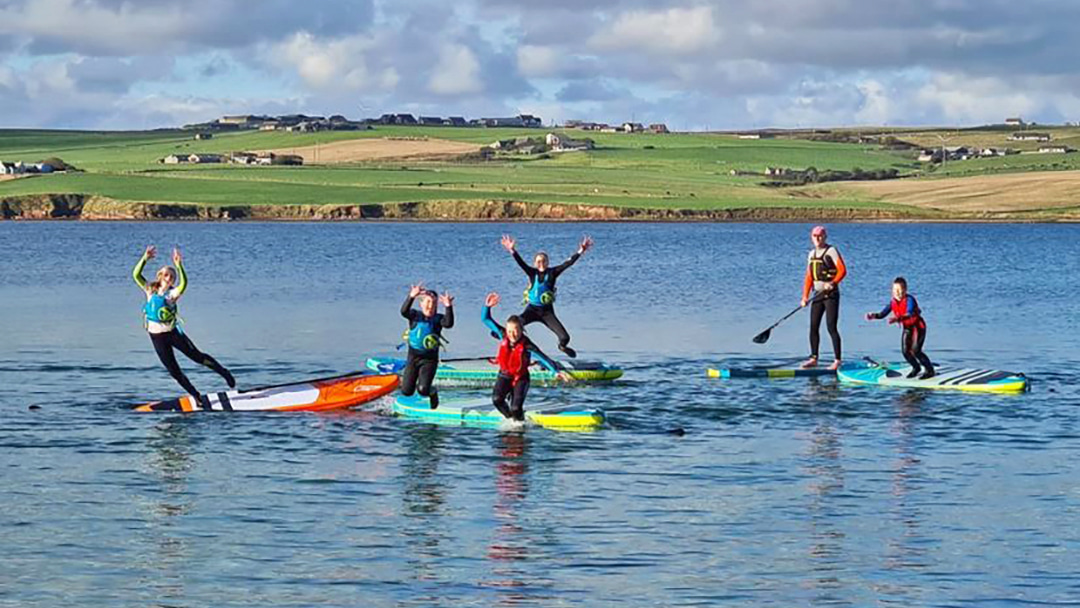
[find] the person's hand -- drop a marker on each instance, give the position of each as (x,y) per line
(492,300)
(802,303)
(586,243)
(869,316)
(415,290)
(176,257)
(893,320)
(564,376)
(828,287)
(508,243)
(446,299)
(150,252)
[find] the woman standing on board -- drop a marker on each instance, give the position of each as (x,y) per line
(824,270)
(540,296)
(161,319)
(424,338)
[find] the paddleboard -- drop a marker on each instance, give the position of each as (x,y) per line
(482,372)
(315,395)
(946,378)
(778,372)
(480,412)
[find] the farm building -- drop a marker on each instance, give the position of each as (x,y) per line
(658,128)
(1055,149)
(1030,136)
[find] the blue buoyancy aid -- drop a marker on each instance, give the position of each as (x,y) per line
(424,335)
(542,290)
(159,309)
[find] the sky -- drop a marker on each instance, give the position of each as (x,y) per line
(716,64)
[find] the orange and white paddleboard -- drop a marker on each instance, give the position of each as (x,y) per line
(316,395)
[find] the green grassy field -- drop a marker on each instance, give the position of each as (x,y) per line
(670,171)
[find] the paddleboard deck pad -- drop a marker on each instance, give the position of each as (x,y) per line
(726,373)
(479,411)
(945,378)
(315,395)
(483,372)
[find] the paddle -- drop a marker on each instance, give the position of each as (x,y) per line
(763,337)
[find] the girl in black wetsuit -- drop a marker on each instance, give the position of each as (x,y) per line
(540,297)
(424,339)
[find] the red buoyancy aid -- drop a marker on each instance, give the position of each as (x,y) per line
(513,359)
(909,308)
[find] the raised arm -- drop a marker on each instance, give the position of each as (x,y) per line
(497,331)
(529,270)
(448,317)
(181,274)
(136,273)
(406,307)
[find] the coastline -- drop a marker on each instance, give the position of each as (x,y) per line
(76,207)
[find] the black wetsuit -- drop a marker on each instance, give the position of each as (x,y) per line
(421,365)
(545,313)
(164,344)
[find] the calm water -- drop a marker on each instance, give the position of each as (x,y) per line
(782,493)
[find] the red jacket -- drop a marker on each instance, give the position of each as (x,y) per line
(514,360)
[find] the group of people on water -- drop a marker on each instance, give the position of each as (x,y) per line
(423,338)
(516,351)
(825,269)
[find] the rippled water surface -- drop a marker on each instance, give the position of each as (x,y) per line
(780,493)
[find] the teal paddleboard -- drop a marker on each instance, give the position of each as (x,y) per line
(778,372)
(975,380)
(479,411)
(482,372)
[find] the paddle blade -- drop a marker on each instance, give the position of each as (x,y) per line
(763,337)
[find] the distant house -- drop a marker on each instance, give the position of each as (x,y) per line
(7,168)
(204,135)
(1055,149)
(521,120)
(756,135)
(658,128)
(270,125)
(632,127)
(431,121)
(1014,122)
(44,168)
(397,119)
(204,158)
(174,159)
(456,121)
(1030,136)
(561,143)
(991,152)
(929,156)
(241,119)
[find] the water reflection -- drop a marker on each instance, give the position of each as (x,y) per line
(903,550)
(171,462)
(424,495)
(827,552)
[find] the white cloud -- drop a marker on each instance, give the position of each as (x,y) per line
(333,64)
(457,72)
(537,61)
(675,31)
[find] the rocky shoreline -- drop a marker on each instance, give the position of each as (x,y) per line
(96,208)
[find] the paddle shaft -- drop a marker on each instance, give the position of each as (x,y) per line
(764,336)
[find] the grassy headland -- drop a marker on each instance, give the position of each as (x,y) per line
(641,176)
